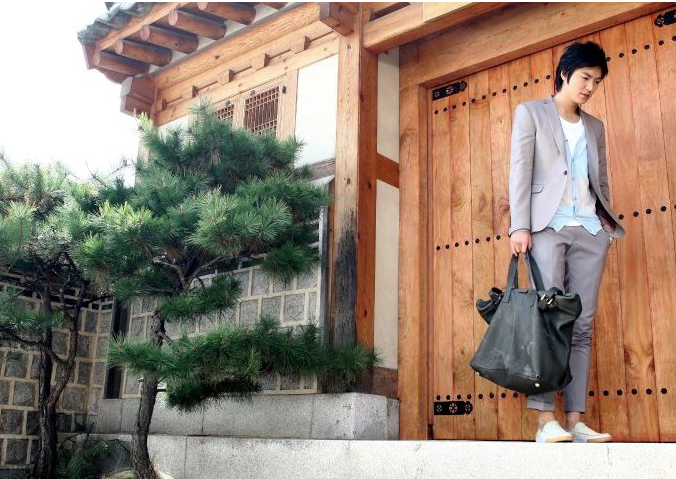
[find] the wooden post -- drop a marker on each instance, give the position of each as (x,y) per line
(413,318)
(353,263)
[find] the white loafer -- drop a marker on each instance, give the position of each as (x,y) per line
(583,433)
(553,432)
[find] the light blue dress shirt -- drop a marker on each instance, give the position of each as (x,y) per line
(578,205)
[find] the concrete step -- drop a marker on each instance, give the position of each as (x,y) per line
(202,457)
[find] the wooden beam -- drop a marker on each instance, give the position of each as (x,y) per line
(379,381)
(387,170)
(380,9)
(337,16)
(413,318)
(197,25)
(119,64)
(353,269)
(179,41)
(407,25)
(137,95)
(260,61)
(299,44)
(138,51)
(275,5)
(225,76)
(157,13)
(517,30)
(435,10)
(261,33)
(115,77)
(237,12)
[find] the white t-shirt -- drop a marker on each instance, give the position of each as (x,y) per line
(572,132)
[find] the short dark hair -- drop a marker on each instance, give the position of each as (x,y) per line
(580,55)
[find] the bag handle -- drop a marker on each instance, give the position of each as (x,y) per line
(513,275)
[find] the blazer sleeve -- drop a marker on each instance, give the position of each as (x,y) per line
(603,164)
(521,169)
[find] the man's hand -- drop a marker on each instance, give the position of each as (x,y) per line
(520,242)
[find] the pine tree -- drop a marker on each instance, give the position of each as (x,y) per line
(208,197)
(42,216)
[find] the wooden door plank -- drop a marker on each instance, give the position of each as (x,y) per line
(461,230)
(659,240)
(634,298)
(441,297)
(665,55)
(486,414)
(519,80)
(509,411)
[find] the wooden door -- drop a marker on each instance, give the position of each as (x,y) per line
(632,388)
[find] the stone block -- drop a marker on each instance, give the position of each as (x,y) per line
(170,452)
(12,473)
(243,279)
(279,286)
(129,413)
(392,419)
(168,421)
(136,328)
(63,422)
(32,423)
(271,307)
(73,399)
(290,381)
(307,280)
(349,416)
(370,417)
(248,313)
(80,422)
(209,322)
(262,416)
(11,421)
(84,370)
(105,322)
(268,381)
(102,347)
(94,396)
(131,385)
(17,451)
(312,313)
(91,320)
(99,373)
(24,394)
(294,307)
(109,416)
(147,304)
(260,283)
(229,317)
(4,392)
(16,365)
(35,366)
(60,342)
(83,343)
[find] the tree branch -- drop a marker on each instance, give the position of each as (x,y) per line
(172,267)
(164,336)
(205,266)
(10,336)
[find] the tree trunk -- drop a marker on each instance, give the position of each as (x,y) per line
(45,459)
(139,442)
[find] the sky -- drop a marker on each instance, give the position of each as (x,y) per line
(52,107)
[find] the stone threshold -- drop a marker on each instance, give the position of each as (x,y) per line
(186,457)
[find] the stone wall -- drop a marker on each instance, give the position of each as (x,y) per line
(293,304)
(19,373)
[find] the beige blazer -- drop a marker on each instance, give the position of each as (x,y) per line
(538,167)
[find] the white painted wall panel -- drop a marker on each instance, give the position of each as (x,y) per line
(388,104)
(316,110)
(387,274)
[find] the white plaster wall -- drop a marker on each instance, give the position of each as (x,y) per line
(388,104)
(316,110)
(387,274)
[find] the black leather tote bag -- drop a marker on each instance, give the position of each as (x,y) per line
(526,347)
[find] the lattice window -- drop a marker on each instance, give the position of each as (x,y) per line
(226,112)
(261,111)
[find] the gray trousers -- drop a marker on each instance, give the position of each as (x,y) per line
(572,260)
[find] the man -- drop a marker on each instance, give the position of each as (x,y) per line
(560,211)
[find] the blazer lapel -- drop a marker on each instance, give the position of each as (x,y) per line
(555,123)
(592,148)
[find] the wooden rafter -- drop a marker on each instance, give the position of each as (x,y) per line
(137,95)
(380,9)
(238,12)
(179,41)
(144,53)
(197,25)
(338,15)
(408,24)
(116,63)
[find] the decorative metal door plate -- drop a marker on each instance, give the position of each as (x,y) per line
(667,18)
(452,408)
(449,90)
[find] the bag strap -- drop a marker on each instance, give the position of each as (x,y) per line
(513,274)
